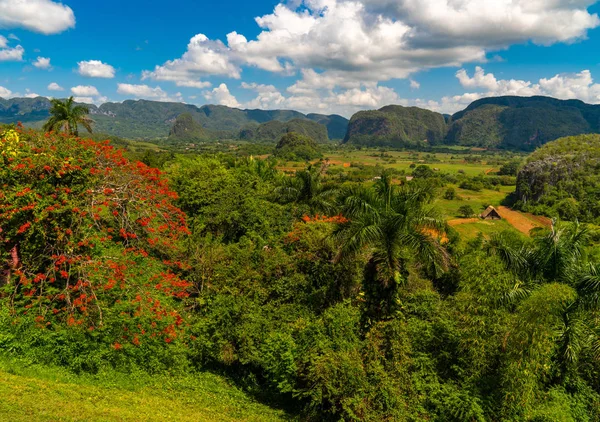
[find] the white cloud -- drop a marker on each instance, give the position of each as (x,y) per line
(414,84)
(95,69)
(55,87)
(12,54)
(88,94)
(147,92)
(42,63)
(30,94)
(378,40)
(3,42)
(566,86)
(44,16)
(202,58)
(13,37)
(85,91)
(5,92)
(221,95)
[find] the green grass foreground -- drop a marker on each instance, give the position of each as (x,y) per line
(39,393)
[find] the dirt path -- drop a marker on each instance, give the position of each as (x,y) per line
(490,170)
(522,221)
(459,221)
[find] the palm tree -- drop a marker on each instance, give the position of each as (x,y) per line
(393,227)
(65,116)
(307,188)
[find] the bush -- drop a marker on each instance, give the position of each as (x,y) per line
(466,211)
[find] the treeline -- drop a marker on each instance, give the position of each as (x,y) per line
(337,300)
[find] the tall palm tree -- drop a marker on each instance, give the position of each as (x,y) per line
(65,116)
(393,226)
(308,189)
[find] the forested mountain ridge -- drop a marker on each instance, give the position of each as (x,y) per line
(516,123)
(563,178)
(154,119)
(396,126)
(523,123)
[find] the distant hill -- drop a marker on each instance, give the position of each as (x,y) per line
(186,129)
(517,123)
(521,122)
(396,126)
(273,131)
(153,119)
(562,178)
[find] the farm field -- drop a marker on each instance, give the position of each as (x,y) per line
(401,161)
(468,228)
(53,394)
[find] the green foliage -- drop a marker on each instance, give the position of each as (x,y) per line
(396,126)
(521,123)
(65,116)
(274,130)
(295,146)
(466,211)
(186,129)
(563,179)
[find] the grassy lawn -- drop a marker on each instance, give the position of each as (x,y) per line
(401,160)
(476,200)
(487,228)
(37,393)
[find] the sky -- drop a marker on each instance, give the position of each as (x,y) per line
(322,56)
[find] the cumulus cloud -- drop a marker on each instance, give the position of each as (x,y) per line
(42,63)
(5,92)
(3,42)
(43,16)
(85,91)
(202,58)
(87,94)
(414,84)
(55,87)
(10,54)
(352,41)
(146,92)
(95,69)
(563,86)
(221,95)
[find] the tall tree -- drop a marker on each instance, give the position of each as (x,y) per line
(66,116)
(393,226)
(308,189)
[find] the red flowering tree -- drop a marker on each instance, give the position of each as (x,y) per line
(89,239)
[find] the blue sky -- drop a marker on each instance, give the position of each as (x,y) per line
(329,56)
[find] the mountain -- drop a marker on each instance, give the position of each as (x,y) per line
(186,129)
(272,131)
(153,119)
(520,123)
(562,178)
(523,123)
(395,125)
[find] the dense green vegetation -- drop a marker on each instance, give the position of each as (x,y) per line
(272,131)
(336,293)
(297,147)
(152,119)
(396,126)
(521,122)
(186,129)
(563,179)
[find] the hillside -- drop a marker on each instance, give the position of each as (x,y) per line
(272,131)
(562,179)
(186,129)
(523,123)
(396,126)
(154,119)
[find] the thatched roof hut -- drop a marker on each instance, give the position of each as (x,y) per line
(491,214)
